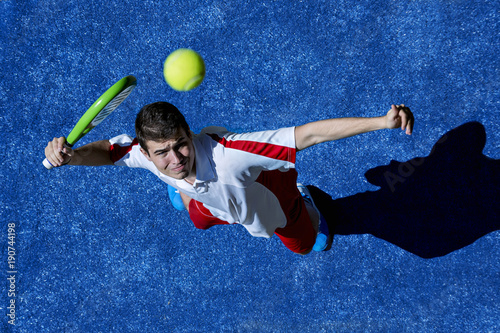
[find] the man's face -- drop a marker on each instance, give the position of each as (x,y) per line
(173,157)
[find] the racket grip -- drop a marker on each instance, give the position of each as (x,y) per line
(47,164)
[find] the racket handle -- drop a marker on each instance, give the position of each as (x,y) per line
(47,164)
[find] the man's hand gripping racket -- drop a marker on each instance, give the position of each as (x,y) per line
(101,108)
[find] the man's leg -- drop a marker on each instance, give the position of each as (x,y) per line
(299,234)
(324,237)
(313,215)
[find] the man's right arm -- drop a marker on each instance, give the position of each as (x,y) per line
(92,154)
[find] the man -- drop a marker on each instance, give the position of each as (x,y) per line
(230,178)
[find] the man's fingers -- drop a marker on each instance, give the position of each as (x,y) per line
(51,152)
(55,151)
(404,119)
(400,116)
(53,159)
(409,128)
(407,119)
(58,147)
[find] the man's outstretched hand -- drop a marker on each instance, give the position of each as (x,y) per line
(400,116)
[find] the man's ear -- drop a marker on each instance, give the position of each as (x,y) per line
(145,154)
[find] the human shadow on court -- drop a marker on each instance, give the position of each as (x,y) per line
(429,206)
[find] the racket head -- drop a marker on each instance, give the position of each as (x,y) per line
(102,108)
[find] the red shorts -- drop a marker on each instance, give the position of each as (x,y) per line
(298,235)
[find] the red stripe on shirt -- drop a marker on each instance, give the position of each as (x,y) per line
(116,152)
(270,150)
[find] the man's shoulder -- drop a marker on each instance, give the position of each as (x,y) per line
(207,135)
(122,140)
(213,130)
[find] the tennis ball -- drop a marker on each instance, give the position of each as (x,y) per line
(184,69)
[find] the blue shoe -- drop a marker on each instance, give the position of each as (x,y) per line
(323,239)
(175,198)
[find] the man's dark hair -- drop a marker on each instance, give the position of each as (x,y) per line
(158,122)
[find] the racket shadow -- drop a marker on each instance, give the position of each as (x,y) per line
(428,206)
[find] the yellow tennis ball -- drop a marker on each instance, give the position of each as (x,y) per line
(184,69)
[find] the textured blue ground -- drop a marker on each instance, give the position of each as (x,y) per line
(102,249)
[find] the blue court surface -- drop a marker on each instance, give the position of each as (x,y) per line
(416,218)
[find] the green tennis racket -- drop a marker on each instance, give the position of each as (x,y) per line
(101,108)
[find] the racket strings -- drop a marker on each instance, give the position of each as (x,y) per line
(113,104)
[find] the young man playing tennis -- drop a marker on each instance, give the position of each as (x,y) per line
(228,178)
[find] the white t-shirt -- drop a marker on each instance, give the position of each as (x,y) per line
(227,166)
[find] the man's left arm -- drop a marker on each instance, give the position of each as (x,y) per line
(316,132)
